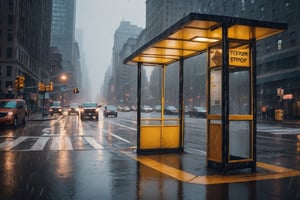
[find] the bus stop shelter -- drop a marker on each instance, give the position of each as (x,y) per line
(230,44)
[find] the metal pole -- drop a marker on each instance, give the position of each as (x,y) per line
(181,105)
(225,98)
(139,75)
(253,107)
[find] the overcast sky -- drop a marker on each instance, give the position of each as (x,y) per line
(99,19)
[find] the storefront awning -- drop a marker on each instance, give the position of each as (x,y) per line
(195,32)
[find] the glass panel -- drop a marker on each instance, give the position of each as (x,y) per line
(215,92)
(151,92)
(239,91)
(171,107)
(240,140)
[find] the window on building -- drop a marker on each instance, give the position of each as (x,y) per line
(8,71)
(9,53)
(9,37)
(243,5)
(8,84)
(10,19)
(11,5)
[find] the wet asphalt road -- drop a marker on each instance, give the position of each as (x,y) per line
(66,158)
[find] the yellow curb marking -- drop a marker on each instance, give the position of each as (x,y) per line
(279,172)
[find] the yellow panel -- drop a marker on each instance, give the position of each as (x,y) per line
(215,143)
(150,137)
(201,24)
(239,32)
(168,52)
(153,59)
(190,33)
(241,117)
(180,44)
(239,57)
(171,137)
(261,33)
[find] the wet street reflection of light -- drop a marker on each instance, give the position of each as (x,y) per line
(63,162)
(100,132)
(9,163)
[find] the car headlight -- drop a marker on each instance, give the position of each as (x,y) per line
(59,110)
(77,109)
(10,113)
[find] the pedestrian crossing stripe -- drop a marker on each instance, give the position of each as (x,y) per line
(58,143)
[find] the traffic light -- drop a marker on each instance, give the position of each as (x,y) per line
(51,86)
(76,90)
(41,87)
(17,84)
(21,82)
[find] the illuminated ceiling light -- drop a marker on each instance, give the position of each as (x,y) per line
(204,39)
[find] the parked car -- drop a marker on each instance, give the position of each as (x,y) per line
(89,110)
(55,107)
(13,111)
(126,109)
(197,112)
(157,108)
(110,110)
(133,108)
(73,108)
(171,110)
(146,108)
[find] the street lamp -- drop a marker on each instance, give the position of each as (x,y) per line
(64,79)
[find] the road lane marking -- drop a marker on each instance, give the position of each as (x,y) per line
(116,136)
(124,126)
(276,172)
(7,145)
(40,144)
(93,142)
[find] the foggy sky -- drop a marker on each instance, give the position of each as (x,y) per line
(99,19)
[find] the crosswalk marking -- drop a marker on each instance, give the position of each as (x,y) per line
(40,144)
(61,143)
(93,142)
(11,144)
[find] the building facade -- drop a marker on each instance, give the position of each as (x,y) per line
(120,75)
(63,34)
(25,28)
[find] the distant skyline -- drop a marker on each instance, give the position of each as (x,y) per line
(98,20)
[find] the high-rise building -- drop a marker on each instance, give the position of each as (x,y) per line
(25,28)
(63,30)
(120,74)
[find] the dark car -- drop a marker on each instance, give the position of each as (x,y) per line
(89,110)
(13,111)
(171,110)
(110,110)
(73,109)
(198,112)
(55,107)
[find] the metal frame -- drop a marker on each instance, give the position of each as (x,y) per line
(190,36)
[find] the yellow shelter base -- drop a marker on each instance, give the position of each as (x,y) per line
(160,139)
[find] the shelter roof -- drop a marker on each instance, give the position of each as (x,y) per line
(195,32)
